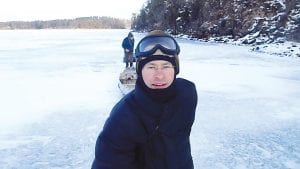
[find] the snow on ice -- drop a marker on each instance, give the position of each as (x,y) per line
(58,86)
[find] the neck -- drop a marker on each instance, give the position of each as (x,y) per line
(158,95)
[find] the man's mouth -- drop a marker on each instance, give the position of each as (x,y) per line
(159,85)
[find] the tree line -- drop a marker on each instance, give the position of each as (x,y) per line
(214,18)
(93,22)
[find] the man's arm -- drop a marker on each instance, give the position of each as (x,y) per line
(114,147)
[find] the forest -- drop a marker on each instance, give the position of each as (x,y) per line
(262,21)
(251,21)
(93,22)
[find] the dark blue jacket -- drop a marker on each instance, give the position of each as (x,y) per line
(142,134)
(128,44)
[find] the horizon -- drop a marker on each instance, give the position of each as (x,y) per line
(34,10)
(64,19)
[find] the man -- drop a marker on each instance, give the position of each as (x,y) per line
(149,128)
(128,45)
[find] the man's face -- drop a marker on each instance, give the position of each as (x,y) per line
(158,74)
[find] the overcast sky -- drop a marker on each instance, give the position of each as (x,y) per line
(27,10)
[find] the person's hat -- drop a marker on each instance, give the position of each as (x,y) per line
(157,45)
(130,34)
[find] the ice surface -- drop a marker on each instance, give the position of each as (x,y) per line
(58,86)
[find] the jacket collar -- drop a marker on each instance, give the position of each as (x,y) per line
(149,106)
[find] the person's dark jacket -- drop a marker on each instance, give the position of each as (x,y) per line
(142,134)
(128,44)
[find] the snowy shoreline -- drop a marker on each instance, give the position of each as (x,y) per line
(286,48)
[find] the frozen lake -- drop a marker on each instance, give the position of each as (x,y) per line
(58,86)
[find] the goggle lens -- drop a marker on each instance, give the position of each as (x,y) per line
(149,45)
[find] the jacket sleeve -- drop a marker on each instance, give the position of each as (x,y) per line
(111,156)
(125,43)
(114,147)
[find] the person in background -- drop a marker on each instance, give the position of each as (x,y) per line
(128,45)
(149,128)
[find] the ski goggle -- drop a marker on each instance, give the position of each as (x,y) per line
(148,46)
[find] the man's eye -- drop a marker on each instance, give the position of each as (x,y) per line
(167,66)
(151,67)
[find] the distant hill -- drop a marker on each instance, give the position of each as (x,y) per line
(93,22)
